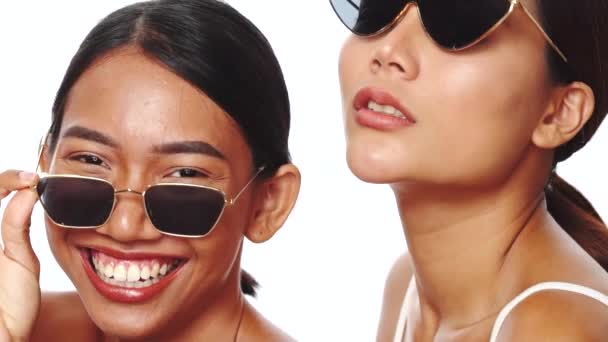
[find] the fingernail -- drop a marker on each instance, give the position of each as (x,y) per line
(27,176)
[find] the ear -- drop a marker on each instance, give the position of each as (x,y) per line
(567,113)
(273,200)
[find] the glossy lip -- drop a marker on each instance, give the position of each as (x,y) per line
(381,121)
(127,294)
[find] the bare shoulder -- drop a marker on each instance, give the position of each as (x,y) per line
(555,315)
(63,317)
(255,327)
(395,288)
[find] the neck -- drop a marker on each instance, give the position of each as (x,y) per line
(462,243)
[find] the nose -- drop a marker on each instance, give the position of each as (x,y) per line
(394,51)
(128,222)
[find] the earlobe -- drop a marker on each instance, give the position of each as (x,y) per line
(273,200)
(566,115)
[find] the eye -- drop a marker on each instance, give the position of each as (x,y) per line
(89,159)
(188,173)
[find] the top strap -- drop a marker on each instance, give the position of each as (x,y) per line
(560,286)
(400,329)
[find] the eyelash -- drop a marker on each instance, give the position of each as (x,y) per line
(193,173)
(89,159)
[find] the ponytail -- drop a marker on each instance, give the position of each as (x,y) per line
(576,215)
(248,284)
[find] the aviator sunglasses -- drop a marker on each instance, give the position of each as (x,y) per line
(452,24)
(176,209)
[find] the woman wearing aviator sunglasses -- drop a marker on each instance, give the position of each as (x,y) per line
(465,108)
(168,146)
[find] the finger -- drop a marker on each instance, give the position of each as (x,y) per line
(15,230)
(13,180)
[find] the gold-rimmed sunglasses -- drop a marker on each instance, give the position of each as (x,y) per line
(176,209)
(455,25)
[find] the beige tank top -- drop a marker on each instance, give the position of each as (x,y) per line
(546,286)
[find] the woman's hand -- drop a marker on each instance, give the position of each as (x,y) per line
(19,266)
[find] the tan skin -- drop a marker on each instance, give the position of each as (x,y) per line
(138,103)
(477,228)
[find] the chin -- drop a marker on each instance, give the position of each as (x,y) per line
(379,157)
(140,329)
(127,321)
(367,167)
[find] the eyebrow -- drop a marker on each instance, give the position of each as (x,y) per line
(178,147)
(81,132)
(188,147)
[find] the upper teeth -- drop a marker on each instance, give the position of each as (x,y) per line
(131,273)
(387,109)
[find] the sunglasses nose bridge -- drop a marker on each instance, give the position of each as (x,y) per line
(127,223)
(408,5)
(406,8)
(128,190)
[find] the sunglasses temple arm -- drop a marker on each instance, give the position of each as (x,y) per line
(235,198)
(40,151)
(353,4)
(543,32)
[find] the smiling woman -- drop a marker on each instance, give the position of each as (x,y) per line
(153,174)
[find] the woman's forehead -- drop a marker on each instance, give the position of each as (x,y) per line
(132,96)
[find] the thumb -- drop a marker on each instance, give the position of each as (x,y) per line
(15,230)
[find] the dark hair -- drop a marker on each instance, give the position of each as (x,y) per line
(580,29)
(216,49)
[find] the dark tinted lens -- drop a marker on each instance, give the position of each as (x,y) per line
(76,202)
(365,17)
(182,209)
(455,24)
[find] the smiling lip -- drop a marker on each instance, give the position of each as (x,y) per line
(380,121)
(125,294)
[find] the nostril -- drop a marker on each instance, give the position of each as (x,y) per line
(397,66)
(376,65)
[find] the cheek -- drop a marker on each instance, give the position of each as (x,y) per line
(55,235)
(57,238)
(349,64)
(485,127)
(219,251)
(352,69)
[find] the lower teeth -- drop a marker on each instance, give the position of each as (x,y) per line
(131,284)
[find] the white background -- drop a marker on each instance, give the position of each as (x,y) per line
(322,276)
